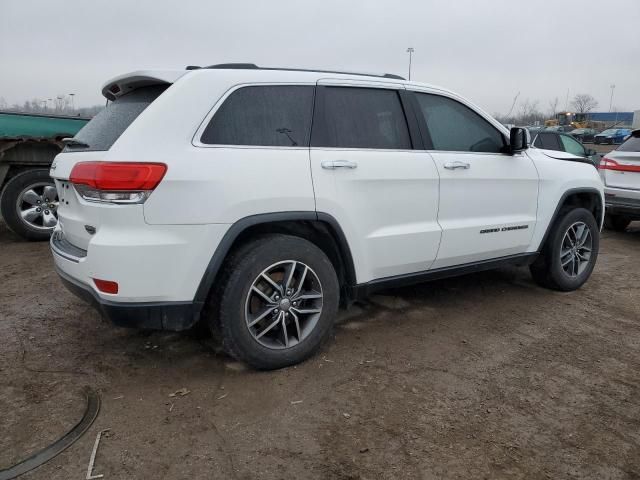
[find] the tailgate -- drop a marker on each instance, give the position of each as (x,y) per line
(79,219)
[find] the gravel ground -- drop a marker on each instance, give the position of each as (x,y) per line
(483,376)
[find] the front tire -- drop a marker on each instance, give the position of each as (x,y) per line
(278,301)
(570,253)
(29,204)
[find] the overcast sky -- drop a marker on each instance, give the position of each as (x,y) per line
(486,50)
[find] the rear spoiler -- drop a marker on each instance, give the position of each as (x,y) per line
(123,84)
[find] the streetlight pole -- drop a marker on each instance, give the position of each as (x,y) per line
(410,51)
(612,87)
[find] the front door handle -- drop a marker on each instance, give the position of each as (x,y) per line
(456,165)
(334,164)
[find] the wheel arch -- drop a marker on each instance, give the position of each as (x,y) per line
(321,229)
(589,198)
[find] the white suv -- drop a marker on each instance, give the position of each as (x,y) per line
(273,196)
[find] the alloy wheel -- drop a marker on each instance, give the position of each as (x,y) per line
(284,304)
(575,251)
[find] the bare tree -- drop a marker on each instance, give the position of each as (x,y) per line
(528,112)
(553,107)
(583,103)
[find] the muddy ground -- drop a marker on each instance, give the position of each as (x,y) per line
(483,376)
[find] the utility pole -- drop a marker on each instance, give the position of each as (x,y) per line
(612,87)
(410,51)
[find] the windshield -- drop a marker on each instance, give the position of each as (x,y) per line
(609,132)
(105,128)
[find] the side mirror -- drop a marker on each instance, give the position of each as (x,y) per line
(517,140)
(590,151)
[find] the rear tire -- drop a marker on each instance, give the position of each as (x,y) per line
(619,223)
(570,252)
(278,301)
(19,204)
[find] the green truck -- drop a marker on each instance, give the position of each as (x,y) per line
(28,145)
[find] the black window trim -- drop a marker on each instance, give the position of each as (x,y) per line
(426,135)
(318,127)
(196,141)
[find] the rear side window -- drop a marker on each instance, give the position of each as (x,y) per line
(352,117)
(270,116)
(548,141)
(632,144)
(107,126)
(455,127)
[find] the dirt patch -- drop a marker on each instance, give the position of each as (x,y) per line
(483,376)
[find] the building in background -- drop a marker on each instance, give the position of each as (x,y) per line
(612,119)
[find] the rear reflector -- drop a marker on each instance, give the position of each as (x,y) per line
(116,182)
(608,164)
(106,286)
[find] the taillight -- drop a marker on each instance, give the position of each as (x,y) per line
(116,182)
(607,163)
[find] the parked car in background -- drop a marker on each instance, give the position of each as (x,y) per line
(583,135)
(612,136)
(563,142)
(560,128)
(534,130)
(620,172)
(28,144)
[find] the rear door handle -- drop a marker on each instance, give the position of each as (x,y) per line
(334,164)
(456,165)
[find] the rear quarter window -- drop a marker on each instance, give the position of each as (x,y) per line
(548,141)
(269,116)
(106,127)
(632,144)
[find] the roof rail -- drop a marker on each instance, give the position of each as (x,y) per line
(253,66)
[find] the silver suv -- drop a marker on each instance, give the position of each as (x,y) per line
(620,172)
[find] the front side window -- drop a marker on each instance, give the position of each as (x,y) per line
(572,146)
(455,127)
(270,115)
(353,117)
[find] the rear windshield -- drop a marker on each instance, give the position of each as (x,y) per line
(631,145)
(105,128)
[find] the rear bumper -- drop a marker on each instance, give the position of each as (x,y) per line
(152,315)
(622,202)
(158,270)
